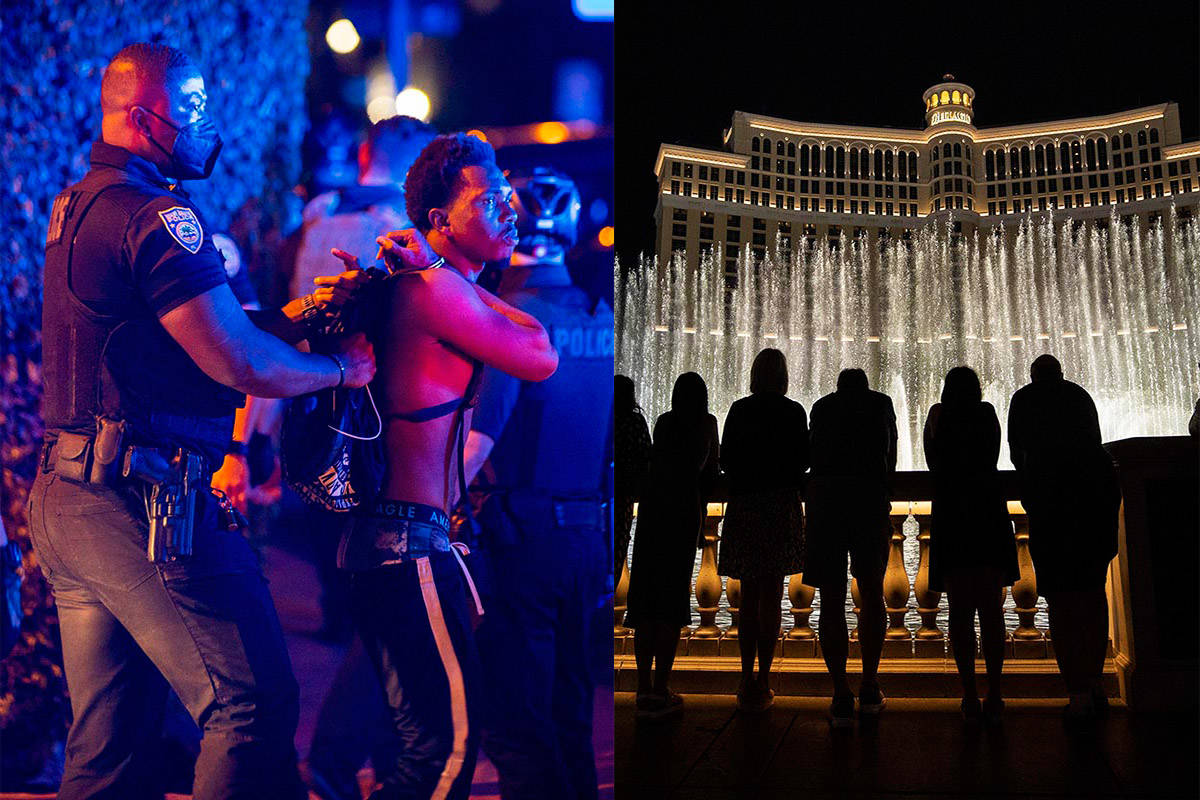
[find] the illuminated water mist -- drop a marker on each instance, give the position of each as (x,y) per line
(1119,305)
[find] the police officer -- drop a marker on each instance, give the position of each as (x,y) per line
(544,542)
(147,353)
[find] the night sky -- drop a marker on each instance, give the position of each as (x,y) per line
(684,67)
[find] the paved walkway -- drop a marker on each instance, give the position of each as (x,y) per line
(919,748)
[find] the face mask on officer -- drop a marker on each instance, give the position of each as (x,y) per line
(196,148)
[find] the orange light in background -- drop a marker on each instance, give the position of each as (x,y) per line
(480,135)
(551,132)
(607,236)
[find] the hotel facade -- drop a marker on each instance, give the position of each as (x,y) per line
(779,183)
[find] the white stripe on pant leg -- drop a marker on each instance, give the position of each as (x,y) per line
(458,694)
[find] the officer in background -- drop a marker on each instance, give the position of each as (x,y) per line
(147,353)
(546,556)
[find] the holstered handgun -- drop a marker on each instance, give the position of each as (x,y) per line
(174,489)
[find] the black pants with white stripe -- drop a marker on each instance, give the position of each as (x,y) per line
(415,623)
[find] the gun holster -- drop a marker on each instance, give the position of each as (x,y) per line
(87,459)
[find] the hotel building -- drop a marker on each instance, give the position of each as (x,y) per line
(776,181)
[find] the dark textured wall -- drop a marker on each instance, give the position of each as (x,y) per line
(254,57)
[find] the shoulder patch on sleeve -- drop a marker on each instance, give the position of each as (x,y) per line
(184,227)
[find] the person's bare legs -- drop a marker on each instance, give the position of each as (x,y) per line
(749,630)
(770,615)
(992,632)
(835,641)
(871,625)
(1070,634)
(666,640)
(643,650)
(962,632)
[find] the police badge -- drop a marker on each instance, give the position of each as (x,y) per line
(184,228)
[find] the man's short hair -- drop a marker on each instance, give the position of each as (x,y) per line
(852,380)
(394,143)
(436,176)
(138,65)
(1045,367)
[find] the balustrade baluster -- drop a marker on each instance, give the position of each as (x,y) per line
(800,641)
(703,640)
(931,641)
(897,641)
(1028,641)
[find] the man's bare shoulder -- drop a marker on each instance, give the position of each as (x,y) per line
(429,286)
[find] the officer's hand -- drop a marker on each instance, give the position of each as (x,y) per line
(406,249)
(233,478)
(335,290)
(358,357)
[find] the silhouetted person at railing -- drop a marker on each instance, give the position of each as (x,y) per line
(683,468)
(853,451)
(1070,492)
(632,455)
(972,553)
(764,451)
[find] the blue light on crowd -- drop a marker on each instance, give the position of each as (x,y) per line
(593,10)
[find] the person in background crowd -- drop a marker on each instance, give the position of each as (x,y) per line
(972,552)
(353,723)
(632,453)
(853,448)
(1070,491)
(683,469)
(764,452)
(545,520)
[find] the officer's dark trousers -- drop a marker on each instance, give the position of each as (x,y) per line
(416,626)
(205,624)
(539,604)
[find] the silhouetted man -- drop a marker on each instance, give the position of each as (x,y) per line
(1070,492)
(853,435)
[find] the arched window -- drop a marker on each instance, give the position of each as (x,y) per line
(989,165)
(791,151)
(1050,165)
(956,96)
(1091,153)
(1014,162)
(1039,159)
(934,152)
(945,97)
(887,165)
(1126,141)
(946,150)
(1064,150)
(841,162)
(1076,157)
(958,149)
(1025,161)
(1116,142)
(1141,137)
(878,164)
(934,99)
(902,164)
(766,145)
(912,167)
(1102,148)
(1154,136)
(967,148)
(828,160)
(865,156)
(803,159)
(853,162)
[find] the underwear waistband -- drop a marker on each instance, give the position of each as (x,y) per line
(417,513)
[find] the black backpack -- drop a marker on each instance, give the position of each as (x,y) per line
(331,448)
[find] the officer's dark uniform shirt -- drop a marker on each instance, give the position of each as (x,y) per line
(122,250)
(552,435)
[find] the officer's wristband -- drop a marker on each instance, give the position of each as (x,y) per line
(341,369)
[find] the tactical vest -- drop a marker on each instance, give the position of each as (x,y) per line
(111,355)
(556,436)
